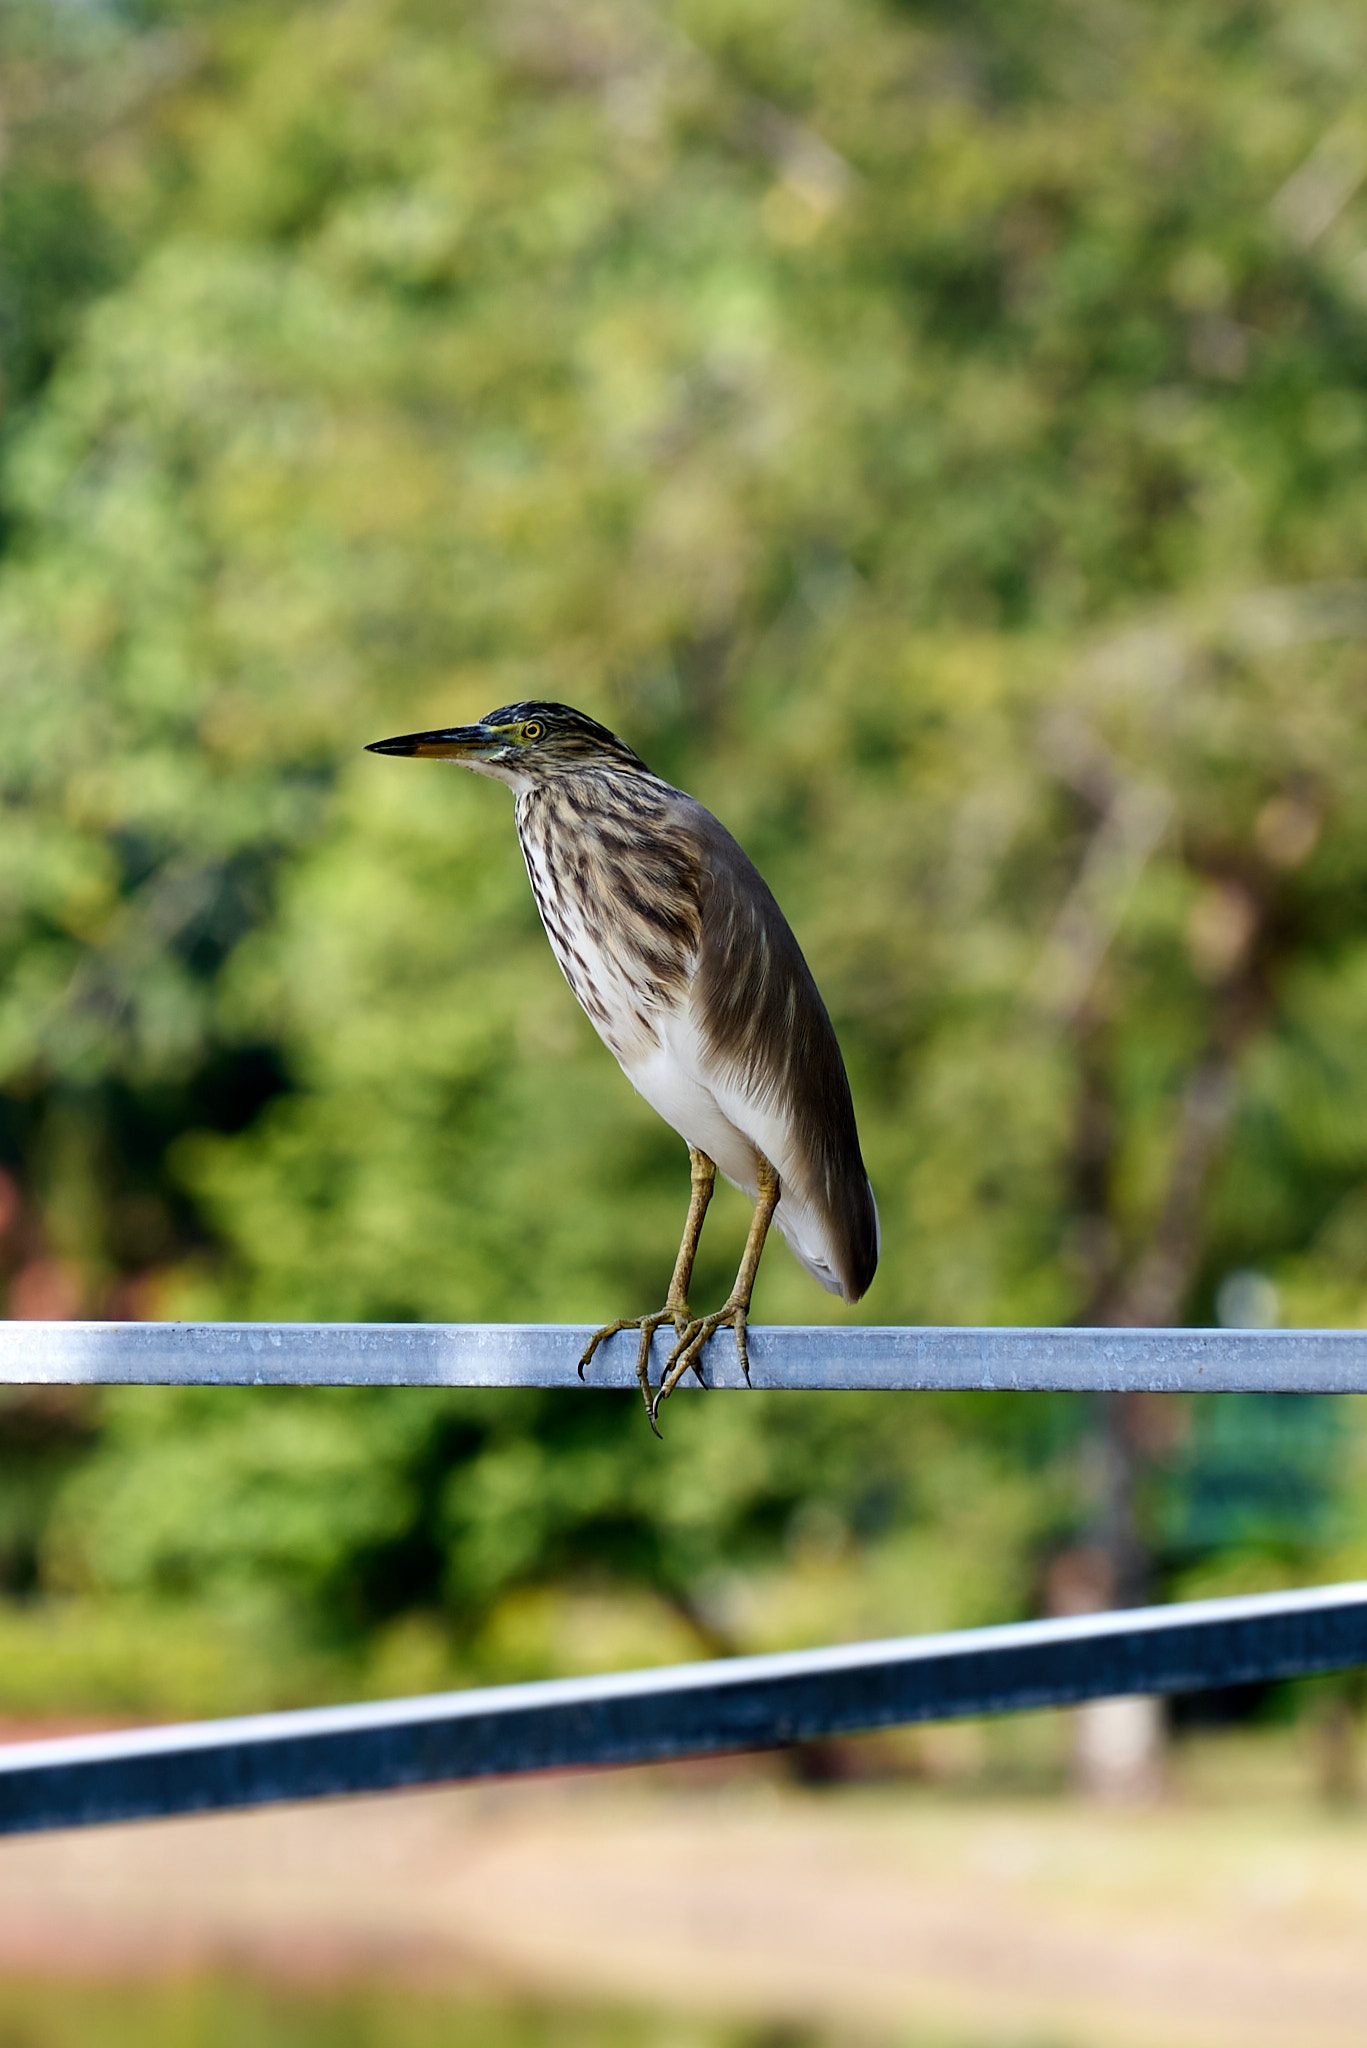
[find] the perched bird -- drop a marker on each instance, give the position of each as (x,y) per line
(689,973)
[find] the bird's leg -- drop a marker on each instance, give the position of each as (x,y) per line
(702,1179)
(735,1311)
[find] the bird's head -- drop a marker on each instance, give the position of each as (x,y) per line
(520,744)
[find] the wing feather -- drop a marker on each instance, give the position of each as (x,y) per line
(771,1056)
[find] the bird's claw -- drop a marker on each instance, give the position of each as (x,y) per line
(601,1337)
(687,1353)
(677,1313)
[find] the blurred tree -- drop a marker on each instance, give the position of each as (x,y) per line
(936,438)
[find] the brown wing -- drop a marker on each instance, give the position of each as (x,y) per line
(765,1024)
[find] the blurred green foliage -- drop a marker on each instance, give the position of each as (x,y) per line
(933,435)
(205,2010)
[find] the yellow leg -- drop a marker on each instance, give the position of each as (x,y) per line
(736,1309)
(702,1179)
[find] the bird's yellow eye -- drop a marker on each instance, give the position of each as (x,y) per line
(532,731)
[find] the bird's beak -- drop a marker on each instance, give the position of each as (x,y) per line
(454,743)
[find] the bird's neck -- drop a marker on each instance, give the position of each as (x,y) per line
(592,799)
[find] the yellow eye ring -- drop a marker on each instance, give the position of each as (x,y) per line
(532,731)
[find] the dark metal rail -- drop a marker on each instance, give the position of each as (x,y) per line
(546,1354)
(690,1710)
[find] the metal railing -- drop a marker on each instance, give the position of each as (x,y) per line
(695,1709)
(802,1358)
(688,1710)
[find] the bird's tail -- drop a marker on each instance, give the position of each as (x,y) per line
(838,1241)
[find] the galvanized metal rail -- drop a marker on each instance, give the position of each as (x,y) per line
(692,1709)
(791,1357)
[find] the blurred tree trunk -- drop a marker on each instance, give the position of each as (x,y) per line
(1340,1742)
(1117,1744)
(1234,936)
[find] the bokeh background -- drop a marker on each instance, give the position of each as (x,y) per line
(936,435)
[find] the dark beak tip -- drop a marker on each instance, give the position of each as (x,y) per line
(452,743)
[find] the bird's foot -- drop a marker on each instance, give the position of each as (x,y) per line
(687,1353)
(677,1313)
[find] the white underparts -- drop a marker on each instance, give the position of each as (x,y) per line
(663,1052)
